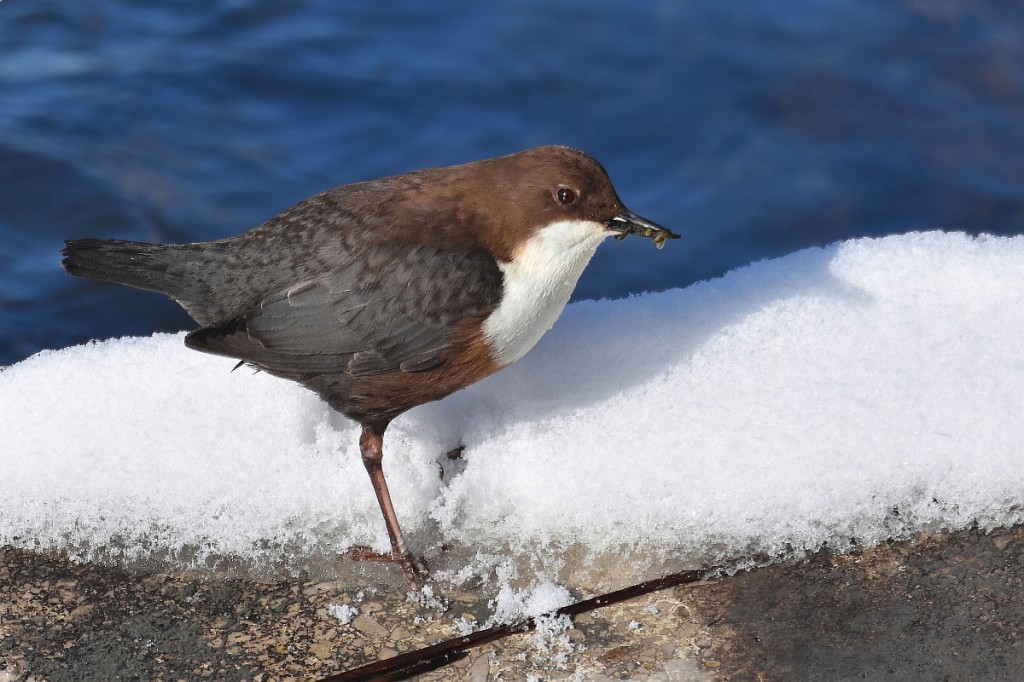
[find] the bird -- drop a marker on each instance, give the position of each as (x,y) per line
(386,294)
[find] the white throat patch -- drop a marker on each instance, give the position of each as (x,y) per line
(537,285)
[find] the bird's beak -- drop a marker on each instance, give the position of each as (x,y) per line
(627,223)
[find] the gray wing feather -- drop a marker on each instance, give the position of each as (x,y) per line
(373,316)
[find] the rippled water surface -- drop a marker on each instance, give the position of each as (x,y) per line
(754,130)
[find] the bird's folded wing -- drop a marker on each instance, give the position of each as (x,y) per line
(393,311)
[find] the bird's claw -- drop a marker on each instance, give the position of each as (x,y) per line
(415,568)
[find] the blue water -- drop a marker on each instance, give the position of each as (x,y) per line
(754,129)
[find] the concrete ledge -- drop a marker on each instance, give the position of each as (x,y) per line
(947,606)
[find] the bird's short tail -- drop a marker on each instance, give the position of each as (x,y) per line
(135,264)
(175,270)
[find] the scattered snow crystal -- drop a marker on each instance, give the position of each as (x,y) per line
(342,612)
(512,605)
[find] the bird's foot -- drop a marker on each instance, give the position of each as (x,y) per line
(415,568)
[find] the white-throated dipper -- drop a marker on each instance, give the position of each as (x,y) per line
(387,294)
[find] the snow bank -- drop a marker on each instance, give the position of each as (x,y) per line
(858,391)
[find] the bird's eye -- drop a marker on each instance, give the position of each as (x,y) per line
(565,196)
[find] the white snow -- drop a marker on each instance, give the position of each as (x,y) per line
(511,604)
(343,613)
(860,391)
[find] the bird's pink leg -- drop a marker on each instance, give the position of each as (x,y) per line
(371,446)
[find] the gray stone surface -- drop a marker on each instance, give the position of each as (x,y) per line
(943,607)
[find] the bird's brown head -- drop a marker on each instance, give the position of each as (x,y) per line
(509,199)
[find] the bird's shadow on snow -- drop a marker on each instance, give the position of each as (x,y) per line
(599,349)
